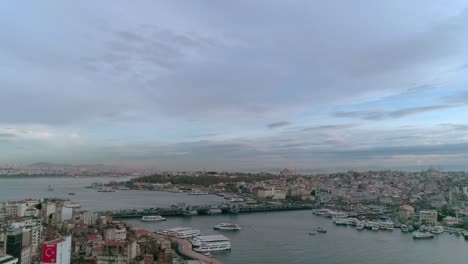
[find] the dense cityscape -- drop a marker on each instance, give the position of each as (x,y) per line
(51,230)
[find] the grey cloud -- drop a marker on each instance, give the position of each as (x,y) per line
(278,124)
(7,135)
(458,98)
(457,127)
(329,127)
(381,115)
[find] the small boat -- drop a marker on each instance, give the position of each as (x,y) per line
(152,218)
(321,230)
(375,226)
(50,188)
(72,193)
(197,193)
(106,189)
(312,233)
(227,227)
(422,235)
(437,230)
(465,234)
(404,228)
(340,221)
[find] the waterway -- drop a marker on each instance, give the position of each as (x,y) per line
(272,237)
(12,189)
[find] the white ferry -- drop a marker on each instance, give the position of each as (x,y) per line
(173,231)
(437,230)
(187,233)
(386,225)
(197,192)
(422,235)
(334,214)
(106,189)
(321,211)
(211,243)
(404,228)
(340,221)
(227,226)
(152,218)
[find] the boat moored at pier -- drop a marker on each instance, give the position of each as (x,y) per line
(152,218)
(210,243)
(422,235)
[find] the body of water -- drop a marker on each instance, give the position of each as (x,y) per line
(281,237)
(90,199)
(273,237)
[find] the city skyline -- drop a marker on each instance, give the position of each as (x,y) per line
(242,85)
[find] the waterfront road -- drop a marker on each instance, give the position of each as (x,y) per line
(185,248)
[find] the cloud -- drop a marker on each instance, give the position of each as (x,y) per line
(381,115)
(458,127)
(329,127)
(278,124)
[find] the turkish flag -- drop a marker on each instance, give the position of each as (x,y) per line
(49,253)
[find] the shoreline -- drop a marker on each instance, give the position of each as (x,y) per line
(184,247)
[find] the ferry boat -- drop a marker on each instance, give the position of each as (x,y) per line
(422,235)
(210,243)
(236,200)
(197,192)
(437,230)
(214,211)
(321,229)
(187,233)
(386,226)
(152,218)
(321,211)
(227,227)
(172,231)
(375,226)
(340,221)
(106,189)
(404,228)
(334,214)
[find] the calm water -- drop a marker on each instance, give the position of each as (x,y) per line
(280,237)
(276,237)
(90,199)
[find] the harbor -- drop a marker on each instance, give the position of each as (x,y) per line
(287,232)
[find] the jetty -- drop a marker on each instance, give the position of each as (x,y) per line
(200,210)
(184,247)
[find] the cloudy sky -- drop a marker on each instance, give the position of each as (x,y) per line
(235,84)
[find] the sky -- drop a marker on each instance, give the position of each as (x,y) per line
(235,85)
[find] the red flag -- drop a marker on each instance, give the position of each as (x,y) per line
(49,253)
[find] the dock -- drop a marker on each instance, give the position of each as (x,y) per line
(199,210)
(185,248)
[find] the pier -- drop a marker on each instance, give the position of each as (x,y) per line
(184,247)
(200,210)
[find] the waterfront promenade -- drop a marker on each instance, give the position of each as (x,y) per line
(185,248)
